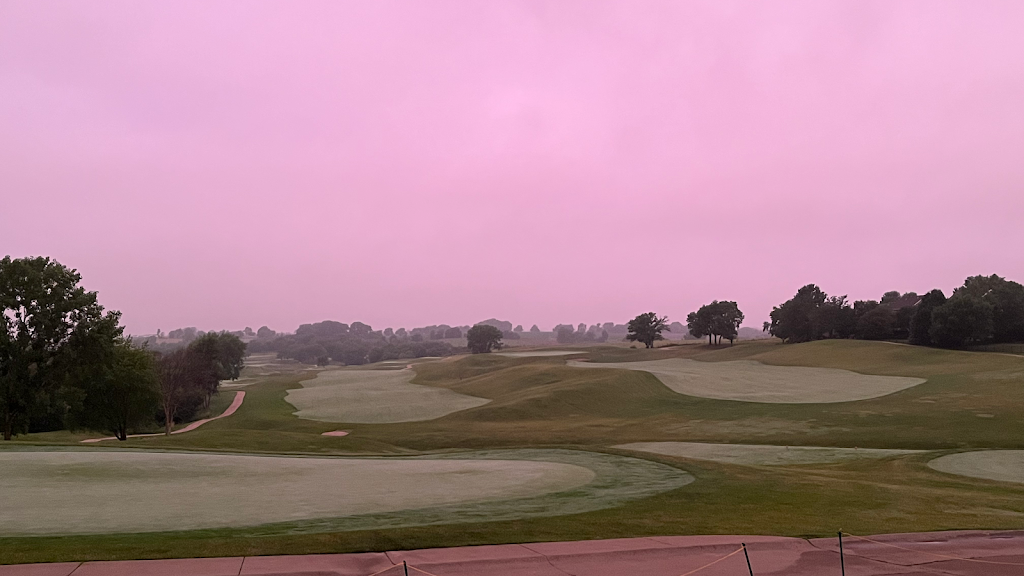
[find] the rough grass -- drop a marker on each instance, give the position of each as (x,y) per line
(752,381)
(761,454)
(374,396)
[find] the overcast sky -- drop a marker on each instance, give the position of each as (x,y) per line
(231,164)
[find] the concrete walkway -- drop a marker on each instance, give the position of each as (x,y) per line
(981,553)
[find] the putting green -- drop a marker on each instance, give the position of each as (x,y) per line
(762,455)
(374,397)
(115,491)
(1002,465)
(751,381)
(538,353)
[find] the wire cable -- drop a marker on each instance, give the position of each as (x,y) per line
(946,556)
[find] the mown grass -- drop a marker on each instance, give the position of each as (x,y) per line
(896,495)
(970,400)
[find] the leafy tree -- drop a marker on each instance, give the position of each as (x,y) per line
(121,393)
(534,329)
(265,332)
(921,322)
(834,318)
(878,323)
(388,332)
(716,320)
(360,329)
(518,328)
(647,328)
(483,338)
(181,376)
(224,351)
(41,308)
(454,332)
(1007,301)
(793,320)
(963,319)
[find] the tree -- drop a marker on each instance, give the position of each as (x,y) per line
(534,329)
(716,320)
(647,328)
(518,328)
(1007,301)
(878,323)
(122,393)
(793,320)
(265,332)
(963,319)
(483,338)
(41,308)
(565,335)
(454,332)
(179,378)
(921,322)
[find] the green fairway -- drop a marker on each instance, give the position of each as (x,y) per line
(374,396)
(537,404)
(750,381)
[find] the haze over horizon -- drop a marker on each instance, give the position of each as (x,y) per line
(224,165)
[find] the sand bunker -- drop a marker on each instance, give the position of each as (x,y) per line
(1002,465)
(762,455)
(374,397)
(538,353)
(94,492)
(750,381)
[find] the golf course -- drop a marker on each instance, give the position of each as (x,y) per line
(549,444)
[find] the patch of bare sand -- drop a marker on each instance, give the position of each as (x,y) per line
(762,455)
(750,381)
(374,397)
(1002,465)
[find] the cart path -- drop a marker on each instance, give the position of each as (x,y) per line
(235,404)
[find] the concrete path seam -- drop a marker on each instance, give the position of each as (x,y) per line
(76,568)
(548,560)
(241,565)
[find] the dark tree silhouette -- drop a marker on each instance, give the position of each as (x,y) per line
(483,338)
(647,328)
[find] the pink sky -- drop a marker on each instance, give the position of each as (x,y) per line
(231,164)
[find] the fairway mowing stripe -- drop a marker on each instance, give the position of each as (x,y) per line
(946,556)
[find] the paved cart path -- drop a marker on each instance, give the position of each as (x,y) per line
(235,404)
(964,553)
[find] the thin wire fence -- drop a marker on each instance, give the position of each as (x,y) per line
(405,569)
(935,554)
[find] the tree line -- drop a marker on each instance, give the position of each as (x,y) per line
(66,363)
(350,344)
(984,310)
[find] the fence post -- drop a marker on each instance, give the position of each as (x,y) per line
(406,567)
(842,562)
(747,556)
